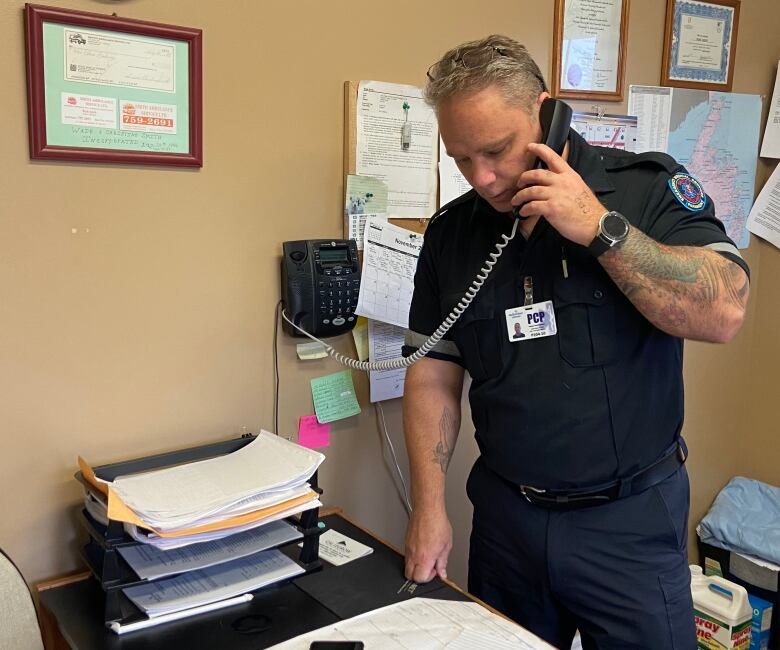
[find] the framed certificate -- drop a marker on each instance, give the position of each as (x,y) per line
(700,42)
(589,49)
(112,90)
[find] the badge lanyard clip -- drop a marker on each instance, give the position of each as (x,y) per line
(528,289)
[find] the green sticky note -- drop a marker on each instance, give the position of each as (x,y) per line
(334,397)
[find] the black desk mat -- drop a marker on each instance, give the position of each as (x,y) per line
(362,585)
(367,583)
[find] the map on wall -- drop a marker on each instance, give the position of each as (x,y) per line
(715,135)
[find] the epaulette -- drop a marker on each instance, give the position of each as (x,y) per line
(626,159)
(463,198)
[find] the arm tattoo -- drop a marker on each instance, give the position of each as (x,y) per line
(442,453)
(735,283)
(649,260)
(665,282)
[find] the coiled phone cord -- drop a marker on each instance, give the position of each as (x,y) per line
(433,339)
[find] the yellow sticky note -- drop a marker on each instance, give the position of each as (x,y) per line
(311,350)
(360,335)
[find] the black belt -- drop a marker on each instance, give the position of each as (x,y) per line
(606,492)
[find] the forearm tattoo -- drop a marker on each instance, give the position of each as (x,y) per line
(667,283)
(448,429)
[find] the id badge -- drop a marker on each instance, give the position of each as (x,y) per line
(531,321)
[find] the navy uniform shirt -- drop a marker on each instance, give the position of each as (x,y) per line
(604,397)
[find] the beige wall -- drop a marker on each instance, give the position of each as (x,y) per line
(136,305)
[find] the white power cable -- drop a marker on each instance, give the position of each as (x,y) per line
(405,495)
(433,339)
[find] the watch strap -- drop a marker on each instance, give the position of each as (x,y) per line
(599,246)
(605,240)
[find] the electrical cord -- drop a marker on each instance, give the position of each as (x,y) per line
(433,339)
(276,367)
(383,425)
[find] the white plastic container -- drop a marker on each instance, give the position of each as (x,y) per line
(723,612)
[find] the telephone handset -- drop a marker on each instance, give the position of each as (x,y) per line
(555,118)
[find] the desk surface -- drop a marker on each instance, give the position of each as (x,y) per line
(276,613)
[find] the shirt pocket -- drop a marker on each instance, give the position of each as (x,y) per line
(585,315)
(477,334)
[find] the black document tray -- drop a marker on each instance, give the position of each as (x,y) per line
(101,550)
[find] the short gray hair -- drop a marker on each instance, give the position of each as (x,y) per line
(492,61)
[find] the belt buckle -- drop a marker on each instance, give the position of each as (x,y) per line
(532,489)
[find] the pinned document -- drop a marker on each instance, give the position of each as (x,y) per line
(311,433)
(365,197)
(385,342)
(334,397)
(389,262)
(410,174)
(770,147)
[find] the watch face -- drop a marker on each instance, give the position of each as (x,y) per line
(615,225)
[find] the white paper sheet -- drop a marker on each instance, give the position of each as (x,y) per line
(764,217)
(423,624)
(410,175)
(452,183)
(652,106)
(213,584)
(339,549)
(151,563)
(389,261)
(385,342)
(770,146)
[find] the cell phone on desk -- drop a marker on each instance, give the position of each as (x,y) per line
(336,645)
(555,118)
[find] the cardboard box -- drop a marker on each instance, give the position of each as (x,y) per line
(760,578)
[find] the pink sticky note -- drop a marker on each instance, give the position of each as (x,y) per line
(311,433)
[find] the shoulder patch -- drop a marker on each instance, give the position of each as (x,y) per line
(688,191)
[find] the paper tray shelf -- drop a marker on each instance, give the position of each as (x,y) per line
(101,552)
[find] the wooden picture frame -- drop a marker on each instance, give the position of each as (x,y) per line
(700,44)
(112,90)
(589,51)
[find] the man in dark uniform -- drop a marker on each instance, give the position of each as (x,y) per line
(580,494)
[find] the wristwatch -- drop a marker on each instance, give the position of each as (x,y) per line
(613,229)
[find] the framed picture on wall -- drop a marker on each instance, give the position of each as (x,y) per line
(589,49)
(108,89)
(700,42)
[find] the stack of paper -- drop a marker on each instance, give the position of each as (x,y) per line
(150,563)
(262,482)
(213,584)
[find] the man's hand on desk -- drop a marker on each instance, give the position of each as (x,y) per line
(428,545)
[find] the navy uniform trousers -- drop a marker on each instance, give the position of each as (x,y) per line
(618,572)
